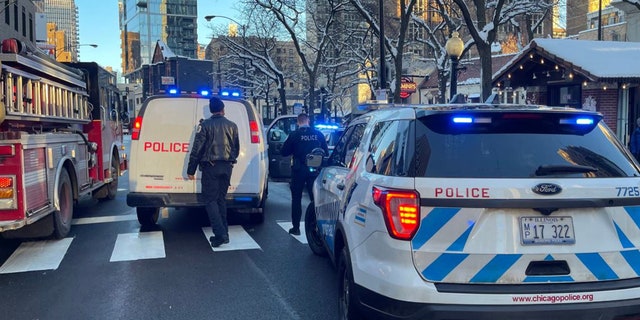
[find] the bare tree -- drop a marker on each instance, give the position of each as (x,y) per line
(437,33)
(393,45)
(308,30)
(482,21)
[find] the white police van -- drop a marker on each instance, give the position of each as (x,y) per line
(480,212)
(160,145)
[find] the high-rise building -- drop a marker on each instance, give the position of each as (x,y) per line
(145,22)
(63,14)
(17,20)
(577,11)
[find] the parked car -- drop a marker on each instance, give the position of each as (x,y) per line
(160,144)
(480,211)
(277,133)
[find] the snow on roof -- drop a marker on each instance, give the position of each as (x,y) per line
(166,51)
(604,59)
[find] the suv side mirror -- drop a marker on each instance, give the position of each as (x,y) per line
(275,136)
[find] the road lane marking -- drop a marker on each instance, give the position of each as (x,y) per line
(37,255)
(239,239)
(286,225)
(137,246)
(105,219)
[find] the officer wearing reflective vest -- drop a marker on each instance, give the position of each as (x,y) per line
(300,143)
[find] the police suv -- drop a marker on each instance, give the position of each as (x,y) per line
(160,144)
(480,211)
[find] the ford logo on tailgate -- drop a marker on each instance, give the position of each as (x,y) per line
(546,189)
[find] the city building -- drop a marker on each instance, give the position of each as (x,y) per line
(144,22)
(601,76)
(17,20)
(62,28)
(230,71)
(631,18)
(168,71)
(468,82)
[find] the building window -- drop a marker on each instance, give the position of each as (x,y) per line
(24,22)
(7,13)
(565,95)
(15,16)
(31,27)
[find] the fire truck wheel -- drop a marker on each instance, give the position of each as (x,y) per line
(62,218)
(112,188)
(147,216)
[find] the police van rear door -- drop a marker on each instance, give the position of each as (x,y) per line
(160,156)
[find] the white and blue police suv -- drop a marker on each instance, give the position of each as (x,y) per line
(480,212)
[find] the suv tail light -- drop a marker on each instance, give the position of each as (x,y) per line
(255,133)
(137,125)
(401,210)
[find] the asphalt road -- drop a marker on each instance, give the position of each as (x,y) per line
(108,268)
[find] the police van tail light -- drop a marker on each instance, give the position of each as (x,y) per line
(137,125)
(401,210)
(255,131)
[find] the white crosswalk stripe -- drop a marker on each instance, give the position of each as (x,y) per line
(37,256)
(239,239)
(48,254)
(137,246)
(286,225)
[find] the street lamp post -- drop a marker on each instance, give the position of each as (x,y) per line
(64,54)
(322,83)
(454,47)
(383,75)
(244,45)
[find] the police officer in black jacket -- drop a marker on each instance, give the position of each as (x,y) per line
(215,149)
(300,143)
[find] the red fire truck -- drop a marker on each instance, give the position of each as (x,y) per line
(60,140)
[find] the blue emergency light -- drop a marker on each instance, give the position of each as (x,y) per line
(204,93)
(582,121)
(230,93)
(173,91)
(468,119)
(462,120)
(321,126)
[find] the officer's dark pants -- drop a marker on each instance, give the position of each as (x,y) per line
(300,178)
(215,183)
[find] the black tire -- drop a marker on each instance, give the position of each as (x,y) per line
(314,237)
(347,298)
(257,216)
(147,216)
(62,218)
(112,187)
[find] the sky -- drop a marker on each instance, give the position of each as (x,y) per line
(98,24)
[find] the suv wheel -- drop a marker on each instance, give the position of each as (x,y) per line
(147,216)
(314,238)
(346,296)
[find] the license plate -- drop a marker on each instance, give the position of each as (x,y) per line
(547,230)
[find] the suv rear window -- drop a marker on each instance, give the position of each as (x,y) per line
(518,145)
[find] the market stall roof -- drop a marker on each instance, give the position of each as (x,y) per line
(603,61)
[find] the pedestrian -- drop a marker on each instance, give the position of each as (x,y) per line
(634,142)
(215,149)
(298,144)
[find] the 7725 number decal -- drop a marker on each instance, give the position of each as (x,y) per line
(628,191)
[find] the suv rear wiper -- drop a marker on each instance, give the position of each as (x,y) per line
(555,168)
